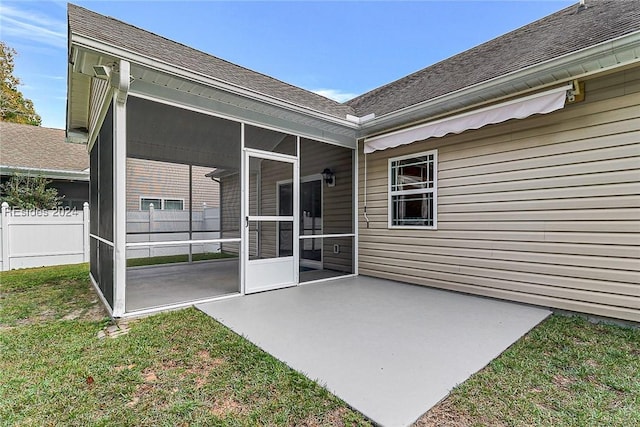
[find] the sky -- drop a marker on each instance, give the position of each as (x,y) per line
(339,49)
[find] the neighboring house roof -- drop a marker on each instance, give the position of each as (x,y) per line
(126,36)
(569,30)
(34,148)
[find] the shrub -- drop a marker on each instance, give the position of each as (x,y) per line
(29,192)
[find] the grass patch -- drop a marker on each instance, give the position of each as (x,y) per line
(184,368)
(170,259)
(51,293)
(565,372)
(178,368)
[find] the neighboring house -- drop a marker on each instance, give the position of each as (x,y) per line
(166,185)
(40,151)
(511,170)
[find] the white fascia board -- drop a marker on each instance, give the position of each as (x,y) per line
(627,45)
(360,120)
(47,173)
(158,65)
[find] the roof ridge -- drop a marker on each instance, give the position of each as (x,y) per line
(3,122)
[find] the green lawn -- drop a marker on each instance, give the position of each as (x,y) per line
(178,368)
(184,368)
(565,372)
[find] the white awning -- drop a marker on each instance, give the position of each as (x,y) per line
(539,103)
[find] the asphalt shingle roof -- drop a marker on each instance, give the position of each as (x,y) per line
(563,32)
(569,30)
(37,147)
(112,31)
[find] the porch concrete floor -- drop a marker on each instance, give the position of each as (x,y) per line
(388,349)
(158,285)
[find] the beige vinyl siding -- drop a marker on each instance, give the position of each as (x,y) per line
(544,210)
(270,173)
(337,204)
(154,179)
(337,201)
(230,221)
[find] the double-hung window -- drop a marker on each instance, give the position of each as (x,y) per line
(413,190)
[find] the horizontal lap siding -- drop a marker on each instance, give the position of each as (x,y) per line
(270,173)
(337,201)
(153,179)
(337,206)
(230,212)
(544,210)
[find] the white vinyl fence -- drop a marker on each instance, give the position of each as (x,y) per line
(35,238)
(160,226)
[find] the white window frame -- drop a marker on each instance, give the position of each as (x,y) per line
(433,191)
(162,202)
(172,199)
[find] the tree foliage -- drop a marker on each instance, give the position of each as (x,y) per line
(14,107)
(29,192)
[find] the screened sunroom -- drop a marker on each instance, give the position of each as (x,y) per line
(202,189)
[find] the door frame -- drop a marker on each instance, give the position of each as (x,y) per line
(269,264)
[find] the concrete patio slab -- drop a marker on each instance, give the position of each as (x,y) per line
(158,285)
(388,349)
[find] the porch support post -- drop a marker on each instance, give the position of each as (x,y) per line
(120,81)
(191,212)
(356,231)
(244,212)
(296,214)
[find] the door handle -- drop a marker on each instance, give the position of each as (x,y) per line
(246,222)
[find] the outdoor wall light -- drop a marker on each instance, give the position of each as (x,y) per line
(329,177)
(102,71)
